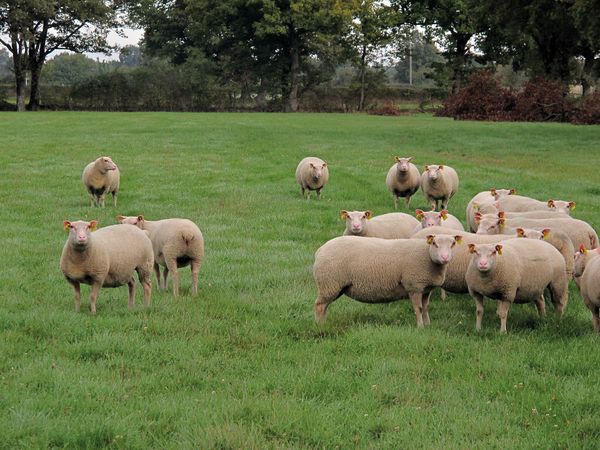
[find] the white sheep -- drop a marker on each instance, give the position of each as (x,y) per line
(516,271)
(101,177)
(312,174)
(439,183)
(519,203)
(106,258)
(559,240)
(385,226)
(373,270)
(482,199)
(580,232)
(587,272)
(176,243)
(403,180)
(437,219)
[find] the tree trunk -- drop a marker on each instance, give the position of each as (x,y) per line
(20,78)
(460,61)
(363,71)
(294,80)
(34,95)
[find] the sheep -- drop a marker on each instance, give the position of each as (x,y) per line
(373,270)
(101,177)
(577,272)
(587,272)
(519,203)
(433,219)
(312,174)
(516,271)
(536,214)
(481,199)
(106,258)
(403,180)
(439,183)
(385,226)
(176,243)
(557,239)
(579,232)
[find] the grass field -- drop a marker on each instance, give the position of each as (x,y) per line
(243,365)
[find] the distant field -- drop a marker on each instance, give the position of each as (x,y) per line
(243,365)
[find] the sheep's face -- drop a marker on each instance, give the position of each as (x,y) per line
(317,170)
(489,224)
(440,247)
(498,193)
(580,261)
(431,218)
(138,221)
(107,164)
(356,221)
(485,256)
(434,172)
(80,231)
(561,206)
(403,164)
(533,234)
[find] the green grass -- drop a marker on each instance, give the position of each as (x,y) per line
(243,365)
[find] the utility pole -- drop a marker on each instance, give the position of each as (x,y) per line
(410,63)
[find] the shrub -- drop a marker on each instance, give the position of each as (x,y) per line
(589,110)
(388,109)
(542,100)
(483,98)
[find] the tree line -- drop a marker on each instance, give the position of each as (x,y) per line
(282,49)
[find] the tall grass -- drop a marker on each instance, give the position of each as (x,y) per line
(243,365)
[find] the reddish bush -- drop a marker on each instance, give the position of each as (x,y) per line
(389,109)
(542,100)
(483,98)
(589,110)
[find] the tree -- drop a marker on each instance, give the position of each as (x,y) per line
(130,56)
(33,29)
(5,68)
(67,69)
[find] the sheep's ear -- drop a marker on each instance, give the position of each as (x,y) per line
(471,248)
(501,215)
(458,238)
(550,203)
(419,214)
(572,205)
(93,225)
(477,217)
(512,192)
(426,167)
(545,232)
(499,249)
(343,214)
(311,165)
(66,225)
(441,167)
(397,158)
(444,214)
(368,214)
(409,159)
(324,165)
(582,249)
(520,232)
(140,218)
(501,221)
(430,238)
(120,218)
(493,191)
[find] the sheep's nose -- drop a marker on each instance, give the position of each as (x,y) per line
(445,256)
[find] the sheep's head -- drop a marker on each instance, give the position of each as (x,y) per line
(561,206)
(317,170)
(490,223)
(138,221)
(529,233)
(106,164)
(431,218)
(440,247)
(497,193)
(356,221)
(433,171)
(79,231)
(403,164)
(484,256)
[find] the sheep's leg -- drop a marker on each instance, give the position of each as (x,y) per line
(478,310)
(321,305)
(94,295)
(157,273)
(92,200)
(443,295)
(407,199)
(147,285)
(302,191)
(77,289)
(416,299)
(560,295)
(444,203)
(131,288)
(165,275)
(319,194)
(432,203)
(502,311)
(596,318)
(195,273)
(103,200)
(114,196)
(425,303)
(540,304)
(172,267)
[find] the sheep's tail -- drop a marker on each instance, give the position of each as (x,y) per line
(187,237)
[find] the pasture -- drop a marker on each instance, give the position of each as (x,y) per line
(243,365)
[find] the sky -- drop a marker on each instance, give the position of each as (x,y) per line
(132,37)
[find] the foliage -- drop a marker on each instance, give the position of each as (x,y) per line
(542,100)
(243,365)
(67,69)
(589,110)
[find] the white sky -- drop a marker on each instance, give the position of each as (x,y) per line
(132,37)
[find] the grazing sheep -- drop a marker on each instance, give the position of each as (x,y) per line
(373,270)
(587,272)
(437,219)
(481,200)
(106,258)
(386,226)
(101,177)
(491,208)
(176,243)
(580,232)
(403,180)
(439,184)
(312,175)
(516,271)
(518,203)
(577,272)
(559,240)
